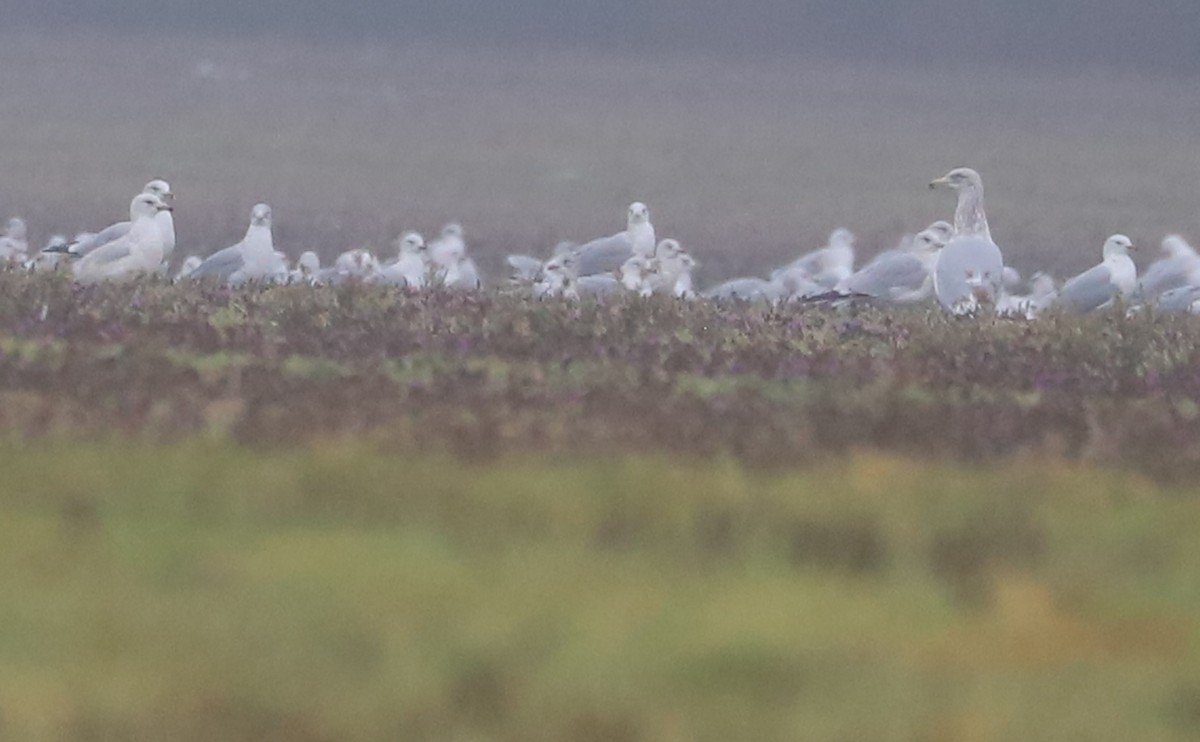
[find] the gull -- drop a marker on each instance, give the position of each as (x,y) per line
(138,252)
(447,248)
(902,276)
(357,265)
(51,257)
(252,259)
(634,275)
(670,263)
(462,275)
(89,241)
(1042,292)
(684,288)
(1097,287)
(190,263)
(559,280)
(1179,300)
(307,270)
(828,265)
(525,268)
(608,254)
(970,268)
(1179,267)
(14,243)
(411,267)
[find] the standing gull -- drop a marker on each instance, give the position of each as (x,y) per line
(88,242)
(608,254)
(411,267)
(138,252)
(970,268)
(1097,287)
(252,259)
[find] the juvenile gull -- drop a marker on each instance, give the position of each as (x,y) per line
(1097,287)
(608,254)
(969,268)
(252,259)
(138,252)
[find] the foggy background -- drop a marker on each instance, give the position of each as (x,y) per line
(752,129)
(1151,34)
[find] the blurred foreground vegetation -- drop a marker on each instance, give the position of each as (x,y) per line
(205,592)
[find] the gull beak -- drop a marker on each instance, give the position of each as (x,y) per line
(166,207)
(939,183)
(169,198)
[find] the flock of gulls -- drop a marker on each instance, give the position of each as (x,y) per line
(957,264)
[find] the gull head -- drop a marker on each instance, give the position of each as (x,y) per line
(944,230)
(931,240)
(1117,246)
(639,213)
(687,262)
(146,205)
(632,272)
(453,230)
(1042,284)
(260,216)
(959,179)
(160,188)
(411,243)
(1176,247)
(191,263)
(669,249)
(841,238)
(357,263)
(16,229)
(308,263)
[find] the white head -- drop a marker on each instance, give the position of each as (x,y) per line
(160,188)
(357,263)
(931,240)
(15,229)
(308,263)
(944,230)
(687,262)
(260,216)
(639,213)
(1116,246)
(453,230)
(669,249)
(1177,247)
(959,179)
(411,243)
(633,272)
(1042,284)
(841,238)
(146,205)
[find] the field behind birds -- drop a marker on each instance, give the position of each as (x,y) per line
(350,514)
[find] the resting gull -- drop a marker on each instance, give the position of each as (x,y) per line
(1179,267)
(411,267)
(970,268)
(87,242)
(14,242)
(608,254)
(252,259)
(899,276)
(1097,287)
(827,266)
(138,252)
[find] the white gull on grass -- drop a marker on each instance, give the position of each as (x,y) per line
(139,252)
(1098,287)
(608,254)
(252,259)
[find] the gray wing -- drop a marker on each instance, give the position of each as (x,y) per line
(896,271)
(598,286)
(810,263)
(524,268)
(109,252)
(745,289)
(222,264)
(967,266)
(605,255)
(1164,275)
(1178,300)
(109,234)
(1089,290)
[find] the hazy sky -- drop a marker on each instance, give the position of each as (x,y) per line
(1146,35)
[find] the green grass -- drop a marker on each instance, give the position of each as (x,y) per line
(203,592)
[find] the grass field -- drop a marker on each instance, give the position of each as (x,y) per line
(347,514)
(200,592)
